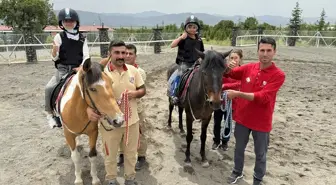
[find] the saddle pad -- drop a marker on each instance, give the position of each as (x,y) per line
(58,89)
(185,80)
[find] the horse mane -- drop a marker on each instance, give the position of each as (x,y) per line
(93,75)
(212,60)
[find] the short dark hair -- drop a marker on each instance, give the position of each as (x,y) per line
(132,46)
(267,40)
(116,43)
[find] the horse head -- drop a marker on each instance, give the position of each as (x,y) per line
(96,89)
(212,68)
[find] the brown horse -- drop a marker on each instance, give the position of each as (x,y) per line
(90,86)
(203,96)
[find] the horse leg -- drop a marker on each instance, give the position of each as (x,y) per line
(181,119)
(203,137)
(171,108)
(93,157)
(189,138)
(75,156)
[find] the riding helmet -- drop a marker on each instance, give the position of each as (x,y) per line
(68,14)
(191,19)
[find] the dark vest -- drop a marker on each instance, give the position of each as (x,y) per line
(71,51)
(186,50)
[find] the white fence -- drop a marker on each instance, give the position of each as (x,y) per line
(12,46)
(316,40)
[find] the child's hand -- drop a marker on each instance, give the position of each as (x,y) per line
(184,35)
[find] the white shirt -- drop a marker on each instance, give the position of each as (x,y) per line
(58,42)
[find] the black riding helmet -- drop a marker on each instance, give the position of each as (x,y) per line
(68,14)
(192,20)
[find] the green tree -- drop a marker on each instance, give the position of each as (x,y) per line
(251,23)
(33,15)
(296,20)
(321,23)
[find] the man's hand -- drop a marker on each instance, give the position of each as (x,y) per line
(132,94)
(93,116)
(232,94)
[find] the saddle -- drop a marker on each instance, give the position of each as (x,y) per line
(57,89)
(185,80)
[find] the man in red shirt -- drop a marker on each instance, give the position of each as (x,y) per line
(260,82)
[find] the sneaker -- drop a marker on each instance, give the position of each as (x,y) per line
(215,146)
(140,163)
(130,182)
(225,146)
(257,181)
(234,177)
(121,160)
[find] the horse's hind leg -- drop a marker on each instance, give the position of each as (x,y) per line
(171,108)
(181,119)
(203,137)
(93,157)
(75,156)
(189,138)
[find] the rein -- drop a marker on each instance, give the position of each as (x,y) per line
(226,106)
(206,96)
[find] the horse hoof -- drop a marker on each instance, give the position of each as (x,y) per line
(188,168)
(205,164)
(79,182)
(182,132)
(187,164)
(96,183)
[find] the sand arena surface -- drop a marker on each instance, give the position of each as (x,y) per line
(302,146)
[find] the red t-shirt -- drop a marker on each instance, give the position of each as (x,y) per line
(257,114)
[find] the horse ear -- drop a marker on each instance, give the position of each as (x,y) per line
(200,53)
(225,54)
(87,64)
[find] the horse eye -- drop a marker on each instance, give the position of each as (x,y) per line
(93,89)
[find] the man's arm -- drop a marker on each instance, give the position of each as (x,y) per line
(140,85)
(104,61)
(264,96)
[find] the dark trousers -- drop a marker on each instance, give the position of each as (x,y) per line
(261,141)
(219,115)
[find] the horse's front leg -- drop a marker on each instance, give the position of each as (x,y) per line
(180,109)
(93,157)
(203,137)
(75,156)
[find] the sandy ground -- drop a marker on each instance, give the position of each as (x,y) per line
(301,152)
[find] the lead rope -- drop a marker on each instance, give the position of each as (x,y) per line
(124,105)
(226,106)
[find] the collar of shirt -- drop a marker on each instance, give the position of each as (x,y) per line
(111,67)
(71,36)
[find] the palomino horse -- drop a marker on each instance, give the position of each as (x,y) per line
(203,96)
(89,87)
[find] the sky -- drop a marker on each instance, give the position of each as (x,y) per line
(223,7)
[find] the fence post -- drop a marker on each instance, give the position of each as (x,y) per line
(157,36)
(260,32)
(28,37)
(103,37)
(235,30)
